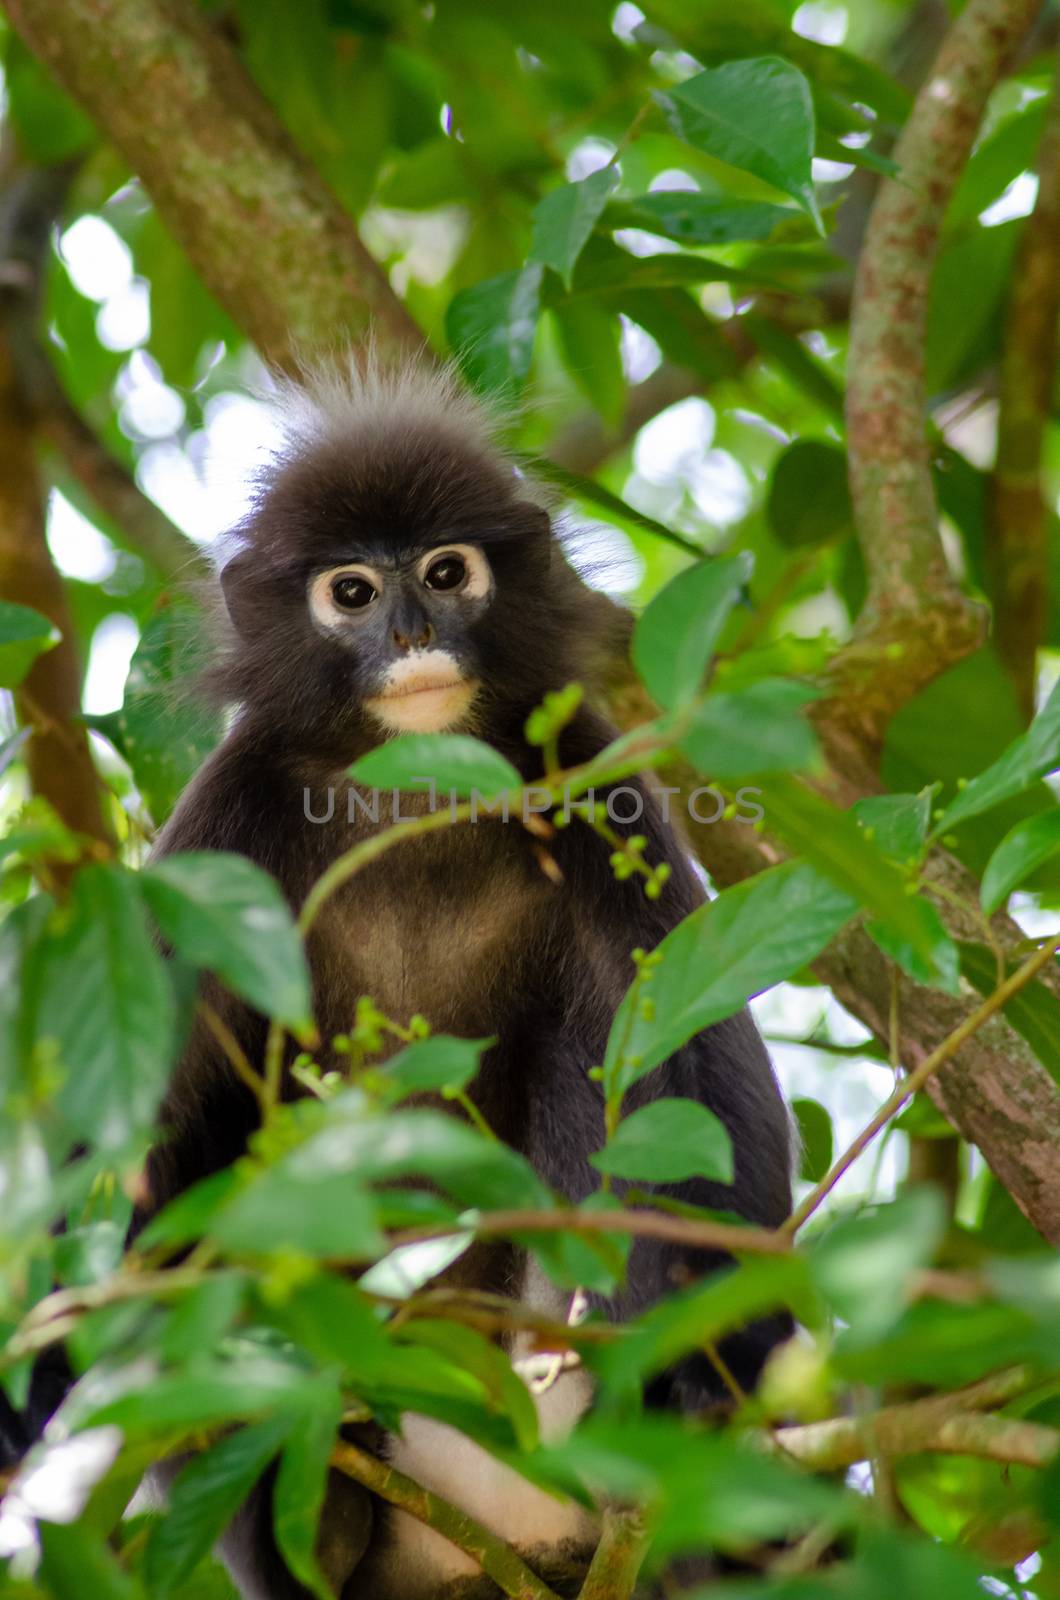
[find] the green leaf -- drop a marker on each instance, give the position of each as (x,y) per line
(748,938)
(702,1314)
(227,915)
(898,823)
(427,1065)
(87,1254)
(204,1498)
(298,1493)
(1000,157)
(815,1139)
(162,735)
(76,1562)
(50,127)
(471,1351)
(325,1214)
(491,328)
(1034,1011)
(809,499)
(452,763)
(200,1319)
(752,731)
(666,1142)
(969,282)
(1027,758)
(9,750)
(788,353)
(591,338)
(675,638)
(436,173)
(688,217)
(566,217)
(861,1264)
(942,967)
(889,1563)
(39,834)
(705,1490)
(145,1403)
(1022,849)
(314,1199)
(187,1217)
(608,271)
(682,330)
(832,149)
(586,491)
(832,840)
(1031,1284)
(106,1001)
(756,114)
(429,1145)
(24,635)
(22,943)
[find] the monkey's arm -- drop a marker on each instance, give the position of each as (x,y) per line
(725,1068)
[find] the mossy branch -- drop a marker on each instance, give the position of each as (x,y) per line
(916,620)
(496,1558)
(1017,551)
(255,218)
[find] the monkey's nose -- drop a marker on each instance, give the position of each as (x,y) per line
(419,642)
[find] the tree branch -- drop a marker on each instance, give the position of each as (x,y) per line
(114,489)
(950,1423)
(1018,550)
(641,1224)
(995,1091)
(612,1574)
(586,441)
(915,621)
(57,755)
(255,218)
(918,1078)
(497,1559)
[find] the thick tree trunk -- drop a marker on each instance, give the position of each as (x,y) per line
(57,755)
(255,218)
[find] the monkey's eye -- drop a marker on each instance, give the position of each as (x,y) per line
(457,569)
(352,593)
(448,572)
(343,594)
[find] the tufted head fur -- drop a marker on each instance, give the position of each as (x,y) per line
(340,634)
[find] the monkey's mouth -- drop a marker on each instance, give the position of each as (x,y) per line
(427,703)
(433,685)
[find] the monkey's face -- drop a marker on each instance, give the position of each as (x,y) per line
(408,626)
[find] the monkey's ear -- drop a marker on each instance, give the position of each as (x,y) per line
(245,592)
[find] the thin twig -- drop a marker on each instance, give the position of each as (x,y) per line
(645,1224)
(916,1080)
(236,1055)
(52,1318)
(495,1313)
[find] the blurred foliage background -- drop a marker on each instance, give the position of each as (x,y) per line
(639,231)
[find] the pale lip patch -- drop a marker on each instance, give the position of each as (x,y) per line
(424,693)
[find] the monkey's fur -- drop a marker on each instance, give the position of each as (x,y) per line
(461,926)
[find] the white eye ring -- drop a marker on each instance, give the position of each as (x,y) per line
(322,602)
(479,579)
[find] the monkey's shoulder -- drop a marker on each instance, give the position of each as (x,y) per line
(245,800)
